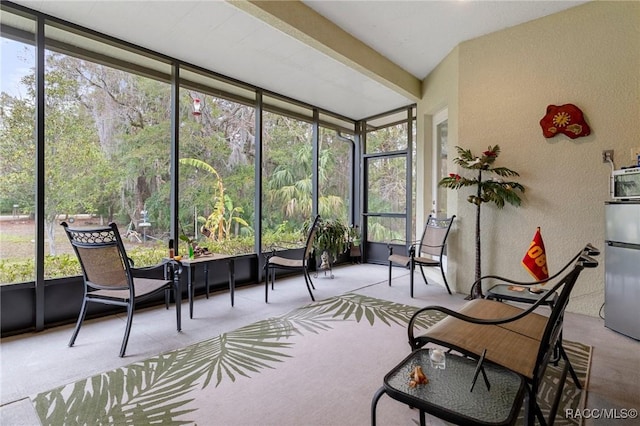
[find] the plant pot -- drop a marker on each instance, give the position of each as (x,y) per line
(355,253)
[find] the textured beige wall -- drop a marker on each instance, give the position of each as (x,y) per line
(589,56)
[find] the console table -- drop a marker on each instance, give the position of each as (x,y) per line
(205,260)
(448,395)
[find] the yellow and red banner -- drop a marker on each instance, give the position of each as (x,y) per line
(535,261)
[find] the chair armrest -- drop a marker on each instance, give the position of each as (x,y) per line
(396,241)
(273,248)
(479,281)
(154,272)
(583,255)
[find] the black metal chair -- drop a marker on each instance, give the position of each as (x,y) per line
(110,278)
(427,252)
(515,338)
(274,262)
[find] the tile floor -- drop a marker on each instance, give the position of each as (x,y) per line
(36,362)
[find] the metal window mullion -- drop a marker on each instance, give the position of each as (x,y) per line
(364,185)
(356,191)
(175,153)
(315,138)
(409,177)
(354,184)
(40,175)
(258,183)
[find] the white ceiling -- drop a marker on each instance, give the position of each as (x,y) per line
(216,35)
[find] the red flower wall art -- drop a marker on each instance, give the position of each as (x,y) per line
(567,119)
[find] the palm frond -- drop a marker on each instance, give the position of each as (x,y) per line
(359,307)
(504,172)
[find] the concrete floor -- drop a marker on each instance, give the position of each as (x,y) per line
(37,362)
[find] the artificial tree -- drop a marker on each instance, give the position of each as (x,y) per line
(495,190)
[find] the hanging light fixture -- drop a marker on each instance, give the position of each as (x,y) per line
(196,107)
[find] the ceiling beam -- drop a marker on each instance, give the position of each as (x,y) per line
(306,25)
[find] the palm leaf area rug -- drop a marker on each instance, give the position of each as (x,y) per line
(317,365)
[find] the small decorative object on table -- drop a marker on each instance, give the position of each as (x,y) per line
(417,377)
(437,358)
(193,249)
(190,245)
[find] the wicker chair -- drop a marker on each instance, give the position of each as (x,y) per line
(512,337)
(274,262)
(427,252)
(110,278)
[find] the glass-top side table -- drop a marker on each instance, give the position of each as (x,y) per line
(448,394)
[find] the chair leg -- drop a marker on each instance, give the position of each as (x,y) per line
(424,277)
(574,376)
(83,313)
(556,401)
(127,331)
(444,277)
(178,301)
(531,408)
(266,285)
(307,280)
(412,268)
(306,271)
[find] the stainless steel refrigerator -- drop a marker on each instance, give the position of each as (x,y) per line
(622,268)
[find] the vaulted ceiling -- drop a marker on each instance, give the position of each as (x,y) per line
(355,58)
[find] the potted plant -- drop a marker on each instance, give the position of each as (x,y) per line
(493,190)
(331,239)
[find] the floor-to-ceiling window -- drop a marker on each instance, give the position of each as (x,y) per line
(287,172)
(107,148)
(335,175)
(217,164)
(17,147)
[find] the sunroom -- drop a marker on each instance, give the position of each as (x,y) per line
(110,120)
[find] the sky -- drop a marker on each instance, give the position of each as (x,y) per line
(16,61)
